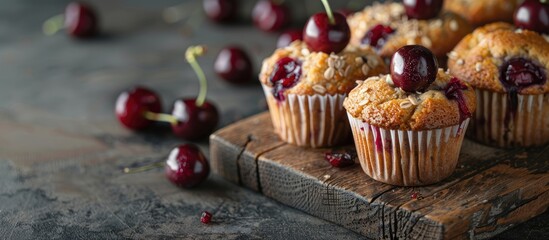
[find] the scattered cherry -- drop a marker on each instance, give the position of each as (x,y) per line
(521,73)
(220,10)
(131,106)
(339,159)
(416,195)
(270,16)
(80,20)
(194,122)
(377,36)
(422,9)
(187,166)
(287,37)
(454,91)
(327,32)
(413,68)
(234,65)
(533,15)
(206,217)
(286,74)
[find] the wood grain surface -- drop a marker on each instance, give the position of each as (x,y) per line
(491,191)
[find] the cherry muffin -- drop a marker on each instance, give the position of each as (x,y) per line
(305,91)
(480,12)
(508,67)
(387,27)
(408,126)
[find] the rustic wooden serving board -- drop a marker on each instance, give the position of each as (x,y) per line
(491,190)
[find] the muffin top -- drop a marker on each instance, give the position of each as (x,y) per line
(378,102)
(439,34)
(499,57)
(480,12)
(297,70)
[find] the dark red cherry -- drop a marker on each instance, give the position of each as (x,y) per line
(533,15)
(220,10)
(269,16)
(422,9)
(377,36)
(413,68)
(187,166)
(132,104)
(194,122)
(285,75)
(80,20)
(339,159)
(206,217)
(234,65)
(521,73)
(288,37)
(322,36)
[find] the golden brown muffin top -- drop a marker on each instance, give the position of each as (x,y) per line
(439,34)
(378,102)
(480,12)
(323,73)
(477,59)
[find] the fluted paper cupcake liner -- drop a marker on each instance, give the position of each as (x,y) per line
(405,157)
(529,126)
(309,120)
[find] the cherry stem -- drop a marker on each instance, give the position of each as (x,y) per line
(144,168)
(329,12)
(161,117)
(53,24)
(191,54)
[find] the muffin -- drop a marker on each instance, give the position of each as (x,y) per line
(305,91)
(409,136)
(480,12)
(386,27)
(508,67)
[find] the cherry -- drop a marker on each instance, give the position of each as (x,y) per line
(521,73)
(286,74)
(413,68)
(287,37)
(187,166)
(338,159)
(132,106)
(80,20)
(454,91)
(193,121)
(220,10)
(234,65)
(269,16)
(206,217)
(533,15)
(377,36)
(422,9)
(327,32)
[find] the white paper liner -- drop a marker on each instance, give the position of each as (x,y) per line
(405,157)
(528,127)
(309,121)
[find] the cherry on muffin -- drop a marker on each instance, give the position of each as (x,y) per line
(413,68)
(288,37)
(79,21)
(422,9)
(234,65)
(327,32)
(377,36)
(286,74)
(220,11)
(196,118)
(533,15)
(270,16)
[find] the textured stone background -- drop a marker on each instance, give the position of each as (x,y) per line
(62,151)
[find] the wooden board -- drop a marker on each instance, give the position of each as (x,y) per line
(491,190)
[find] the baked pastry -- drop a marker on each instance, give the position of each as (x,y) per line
(386,27)
(480,12)
(305,91)
(508,67)
(408,126)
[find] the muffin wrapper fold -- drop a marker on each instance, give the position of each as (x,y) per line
(528,127)
(309,120)
(405,157)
